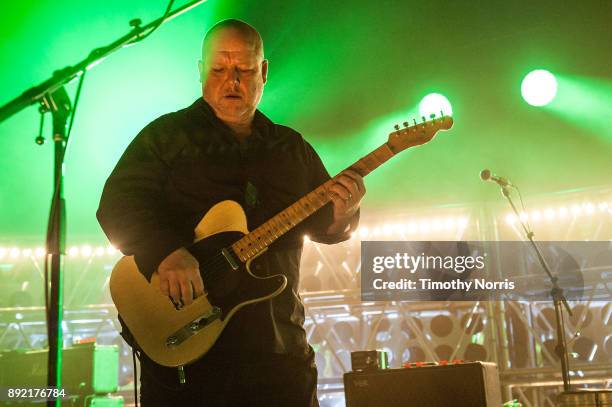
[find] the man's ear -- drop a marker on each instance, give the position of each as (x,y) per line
(264,70)
(201,69)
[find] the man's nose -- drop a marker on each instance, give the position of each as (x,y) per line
(235,75)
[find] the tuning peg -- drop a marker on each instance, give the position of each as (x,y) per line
(441,113)
(396,127)
(405,124)
(423,118)
(414,120)
(432,116)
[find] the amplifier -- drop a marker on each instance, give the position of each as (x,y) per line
(86,369)
(474,384)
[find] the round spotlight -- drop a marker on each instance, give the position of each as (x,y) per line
(539,87)
(434,103)
(549,214)
(363,231)
(86,250)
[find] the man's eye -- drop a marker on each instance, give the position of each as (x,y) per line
(217,70)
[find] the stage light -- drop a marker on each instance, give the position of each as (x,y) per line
(2,252)
(576,210)
(306,238)
(15,252)
(39,252)
(549,214)
(424,227)
(510,218)
(27,252)
(603,206)
(536,216)
(437,225)
(99,251)
(86,250)
(539,87)
(434,103)
(412,227)
(589,208)
(364,232)
(387,230)
(462,223)
(111,250)
(73,251)
(562,212)
(524,217)
(450,223)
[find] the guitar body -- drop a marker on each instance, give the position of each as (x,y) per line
(174,337)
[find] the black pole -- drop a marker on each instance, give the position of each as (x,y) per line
(58,103)
(556,293)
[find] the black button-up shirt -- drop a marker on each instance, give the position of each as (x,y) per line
(182,164)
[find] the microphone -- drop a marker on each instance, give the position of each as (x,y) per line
(486,175)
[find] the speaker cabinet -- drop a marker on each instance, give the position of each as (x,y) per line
(474,384)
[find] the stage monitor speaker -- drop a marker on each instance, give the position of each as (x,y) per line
(474,384)
(86,369)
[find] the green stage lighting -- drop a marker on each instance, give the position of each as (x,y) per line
(434,103)
(539,87)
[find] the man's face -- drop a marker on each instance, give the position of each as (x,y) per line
(233,75)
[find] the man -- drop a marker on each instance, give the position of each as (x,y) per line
(173,172)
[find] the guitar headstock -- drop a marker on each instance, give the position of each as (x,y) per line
(418,133)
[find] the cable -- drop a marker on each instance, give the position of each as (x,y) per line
(135,377)
(168,8)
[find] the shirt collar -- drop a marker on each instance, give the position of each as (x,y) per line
(261,123)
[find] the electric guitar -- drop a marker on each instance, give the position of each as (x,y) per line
(225,248)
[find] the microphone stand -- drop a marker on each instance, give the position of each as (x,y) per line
(556,293)
(53,98)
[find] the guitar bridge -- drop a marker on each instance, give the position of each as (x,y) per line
(193,327)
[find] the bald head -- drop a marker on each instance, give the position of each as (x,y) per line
(233,72)
(233,27)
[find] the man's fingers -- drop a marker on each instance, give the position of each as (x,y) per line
(186,292)
(175,290)
(357,179)
(341,191)
(164,287)
(198,285)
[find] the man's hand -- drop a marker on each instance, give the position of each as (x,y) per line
(179,277)
(347,194)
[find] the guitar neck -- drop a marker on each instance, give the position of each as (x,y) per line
(250,245)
